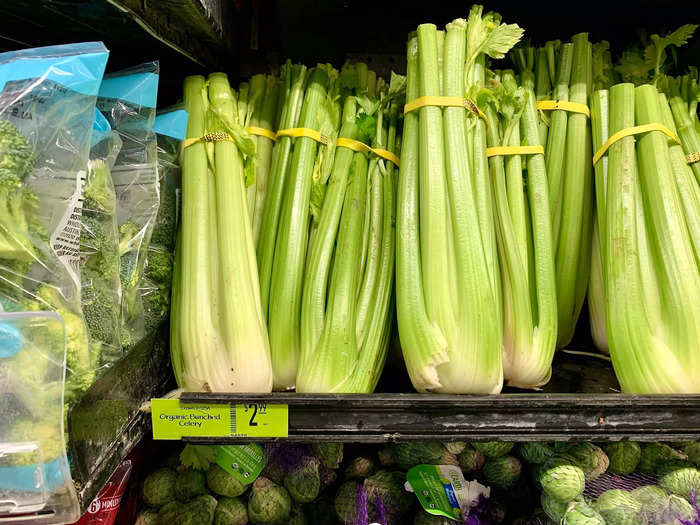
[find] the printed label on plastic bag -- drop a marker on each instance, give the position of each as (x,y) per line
(104,508)
(443,491)
(244,462)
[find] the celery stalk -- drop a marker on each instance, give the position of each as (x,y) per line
(284,317)
(423,344)
(574,232)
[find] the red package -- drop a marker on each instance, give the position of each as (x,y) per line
(103,509)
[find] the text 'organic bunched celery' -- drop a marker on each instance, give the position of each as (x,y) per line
(524,235)
(296,163)
(218,336)
(350,267)
(649,246)
(448,285)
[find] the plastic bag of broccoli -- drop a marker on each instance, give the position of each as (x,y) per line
(170,128)
(47,107)
(128,100)
(34,472)
(99,246)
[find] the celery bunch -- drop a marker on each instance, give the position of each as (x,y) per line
(524,234)
(448,281)
(297,166)
(649,219)
(569,170)
(218,336)
(348,282)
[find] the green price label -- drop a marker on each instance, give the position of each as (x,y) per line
(174,420)
(262,420)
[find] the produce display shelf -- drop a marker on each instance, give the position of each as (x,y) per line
(377,418)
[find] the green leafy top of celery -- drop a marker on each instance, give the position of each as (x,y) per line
(486,34)
(637,66)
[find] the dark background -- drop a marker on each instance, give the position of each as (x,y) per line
(256,35)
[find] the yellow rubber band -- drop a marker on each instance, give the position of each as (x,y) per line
(304,132)
(387,155)
(635,130)
(262,132)
(429,100)
(692,158)
(497,151)
(565,105)
(209,137)
(353,144)
(356,145)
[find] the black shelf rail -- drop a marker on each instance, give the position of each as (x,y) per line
(378,418)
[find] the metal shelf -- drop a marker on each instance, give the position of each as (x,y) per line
(377,418)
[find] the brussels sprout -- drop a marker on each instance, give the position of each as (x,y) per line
(671,465)
(304,481)
(562,481)
(147,517)
(359,467)
(455,447)
(589,458)
(618,507)
(652,498)
(268,503)
(189,484)
(222,483)
(330,454)
(471,460)
(653,454)
(502,472)
(168,513)
(159,487)
(578,513)
(682,482)
(535,452)
(692,450)
(553,508)
(407,455)
(624,456)
(230,511)
(494,449)
(389,487)
(346,501)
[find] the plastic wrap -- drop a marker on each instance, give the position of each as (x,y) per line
(128,100)
(170,128)
(47,104)
(34,473)
(99,246)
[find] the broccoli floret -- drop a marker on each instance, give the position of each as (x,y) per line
(100,309)
(80,361)
(17,159)
(165,225)
(159,266)
(98,193)
(130,235)
(156,302)
(98,247)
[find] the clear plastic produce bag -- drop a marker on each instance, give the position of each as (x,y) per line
(170,128)
(47,105)
(128,100)
(99,246)
(34,472)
